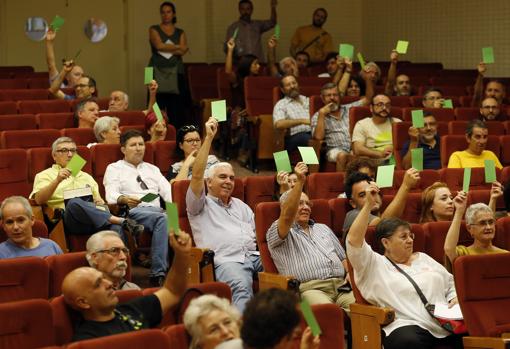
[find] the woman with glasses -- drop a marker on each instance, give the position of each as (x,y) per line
(189,142)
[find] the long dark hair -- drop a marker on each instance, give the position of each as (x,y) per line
(244,66)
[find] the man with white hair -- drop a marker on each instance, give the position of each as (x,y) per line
(107,253)
(119,101)
(222,223)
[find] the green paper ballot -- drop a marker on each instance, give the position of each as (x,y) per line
(310,319)
(76,164)
(361,60)
(219,110)
(385,176)
(490,171)
(149,75)
(149,197)
(448,103)
(417,159)
(308,155)
(277,31)
(57,23)
(488,55)
(282,161)
(234,36)
(402,46)
(346,50)
(157,111)
(467,179)
(172,218)
(417,116)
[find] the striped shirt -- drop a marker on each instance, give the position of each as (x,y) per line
(314,256)
(292,109)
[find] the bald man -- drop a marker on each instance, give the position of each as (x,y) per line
(89,292)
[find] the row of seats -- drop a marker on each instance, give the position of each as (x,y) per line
(24,83)
(31,94)
(43,105)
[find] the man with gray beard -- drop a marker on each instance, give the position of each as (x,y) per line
(107,253)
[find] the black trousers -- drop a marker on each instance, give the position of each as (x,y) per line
(414,337)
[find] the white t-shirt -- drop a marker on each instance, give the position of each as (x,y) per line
(374,136)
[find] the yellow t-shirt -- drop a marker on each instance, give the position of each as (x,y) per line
(463,159)
(462,250)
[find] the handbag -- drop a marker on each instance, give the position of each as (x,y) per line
(450,325)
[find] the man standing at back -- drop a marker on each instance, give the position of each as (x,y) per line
(223,223)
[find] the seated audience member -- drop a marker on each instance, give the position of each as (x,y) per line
(248,65)
(382,282)
(71,79)
(86,113)
(284,181)
(80,216)
(156,129)
(425,137)
(223,223)
(355,186)
(372,136)
(302,59)
(331,123)
(490,110)
(396,85)
(363,165)
(17,220)
(292,112)
(89,292)
(119,101)
(494,88)
(332,65)
(296,243)
(188,142)
(481,225)
(85,88)
(437,203)
(106,130)
(126,182)
(107,253)
(475,155)
(286,66)
(433,98)
(211,312)
(372,72)
(271,321)
(354,86)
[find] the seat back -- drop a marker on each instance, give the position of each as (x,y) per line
(458,127)
(40,159)
(82,136)
(126,118)
(23,95)
(454,178)
(435,236)
(26,139)
(505,150)
(39,229)
(23,278)
(258,94)
(202,81)
(42,106)
(60,266)
(13,173)
(57,121)
(467,114)
(165,155)
(331,321)
(441,114)
(452,143)
(8,107)
(259,189)
(178,337)
(154,339)
(17,122)
(326,185)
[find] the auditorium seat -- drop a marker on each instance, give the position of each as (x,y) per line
(178,337)
(459,127)
(505,150)
(23,278)
(13,173)
(358,113)
(26,324)
(258,94)
(23,95)
(202,82)
(17,122)
(82,136)
(101,102)
(338,208)
(179,189)
(416,101)
(435,233)
(400,101)
(224,88)
(467,114)
(49,106)
(56,121)
(259,189)
(447,89)
(13,84)
(454,178)
(165,155)
(326,185)
(452,143)
(127,117)
(502,238)
(26,139)
(441,114)
(16,69)
(8,107)
(38,82)
(151,338)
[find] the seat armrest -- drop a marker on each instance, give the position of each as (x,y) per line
(201,268)
(485,342)
(272,280)
(383,316)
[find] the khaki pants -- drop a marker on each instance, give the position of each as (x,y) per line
(325,291)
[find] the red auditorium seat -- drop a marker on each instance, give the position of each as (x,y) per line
(452,143)
(17,122)
(56,121)
(441,114)
(467,114)
(178,337)
(16,69)
(13,173)
(127,117)
(258,94)
(23,95)
(502,238)
(258,189)
(454,177)
(165,155)
(400,101)
(304,90)
(8,107)
(459,127)
(38,82)
(26,324)
(315,104)
(152,338)
(170,131)
(23,278)
(202,81)
(223,86)
(327,185)
(465,101)
(13,84)
(505,150)
(358,113)
(338,208)
(50,106)
(448,90)
(82,136)
(26,139)
(416,101)
(101,102)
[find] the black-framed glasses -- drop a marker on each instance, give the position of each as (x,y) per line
(143,185)
(65,150)
(115,251)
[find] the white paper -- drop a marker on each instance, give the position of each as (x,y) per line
(442,311)
(167,55)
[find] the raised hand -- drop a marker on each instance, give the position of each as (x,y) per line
(272,42)
(211,127)
(413,134)
(482,68)
(181,243)
(371,193)
(231,44)
(460,202)
(411,178)
(394,56)
(51,35)
(301,170)
(496,190)
(63,174)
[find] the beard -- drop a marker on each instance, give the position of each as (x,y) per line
(294,93)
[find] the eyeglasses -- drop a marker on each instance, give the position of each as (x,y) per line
(382,105)
(193,140)
(65,150)
(115,251)
(489,222)
(142,183)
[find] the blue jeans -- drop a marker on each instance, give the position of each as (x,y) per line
(239,276)
(154,220)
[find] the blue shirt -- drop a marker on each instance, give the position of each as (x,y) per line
(431,156)
(46,247)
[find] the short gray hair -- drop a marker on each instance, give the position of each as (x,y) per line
(373,64)
(211,172)
(474,209)
(96,243)
(327,86)
(104,124)
(60,140)
(16,199)
(202,306)
(284,59)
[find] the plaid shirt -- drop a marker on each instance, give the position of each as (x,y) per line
(291,109)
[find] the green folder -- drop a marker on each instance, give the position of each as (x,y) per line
(157,111)
(402,46)
(417,116)
(385,176)
(310,319)
(346,50)
(308,155)
(76,164)
(448,103)
(488,55)
(282,161)
(417,159)
(234,36)
(57,23)
(149,197)
(172,218)
(149,75)
(219,110)
(467,179)
(490,171)
(277,31)
(361,60)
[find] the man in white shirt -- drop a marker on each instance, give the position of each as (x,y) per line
(126,182)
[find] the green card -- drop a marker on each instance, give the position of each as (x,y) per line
(282,161)
(57,23)
(417,116)
(488,54)
(346,50)
(467,179)
(157,111)
(172,217)
(277,31)
(448,103)
(149,75)
(385,176)
(417,159)
(234,36)
(308,155)
(76,164)
(361,60)
(219,110)
(149,197)
(402,46)
(490,171)
(310,319)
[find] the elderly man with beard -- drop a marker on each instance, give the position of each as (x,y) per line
(331,123)
(107,253)
(425,137)
(292,113)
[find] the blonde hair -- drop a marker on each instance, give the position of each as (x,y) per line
(427,199)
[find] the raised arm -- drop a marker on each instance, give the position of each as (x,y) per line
(153,90)
(50,54)
(339,72)
(452,237)
(398,204)
(229,67)
(197,178)
(478,92)
(55,84)
(358,229)
(290,206)
(392,74)
(496,192)
(413,144)
(186,165)
(283,124)
(271,56)
(369,89)
(343,84)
